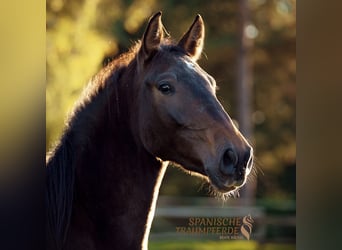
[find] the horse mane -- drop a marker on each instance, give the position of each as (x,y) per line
(61,160)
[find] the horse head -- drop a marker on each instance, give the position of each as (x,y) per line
(179,117)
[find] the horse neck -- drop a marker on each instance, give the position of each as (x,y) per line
(117,180)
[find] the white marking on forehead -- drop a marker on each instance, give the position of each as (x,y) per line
(189,65)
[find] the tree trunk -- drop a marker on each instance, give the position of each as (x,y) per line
(244,88)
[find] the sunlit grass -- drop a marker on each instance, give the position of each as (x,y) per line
(215,245)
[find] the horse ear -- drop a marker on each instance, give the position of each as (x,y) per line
(193,40)
(152,36)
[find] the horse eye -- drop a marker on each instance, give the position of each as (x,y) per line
(165,88)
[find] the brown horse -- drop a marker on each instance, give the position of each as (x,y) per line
(149,106)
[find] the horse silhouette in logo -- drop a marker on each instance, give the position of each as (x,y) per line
(246,227)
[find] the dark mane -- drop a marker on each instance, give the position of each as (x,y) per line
(60,161)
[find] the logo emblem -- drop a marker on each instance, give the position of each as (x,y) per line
(246,227)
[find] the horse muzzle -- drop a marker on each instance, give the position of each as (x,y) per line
(232,169)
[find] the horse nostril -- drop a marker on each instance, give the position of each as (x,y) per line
(229,162)
(229,157)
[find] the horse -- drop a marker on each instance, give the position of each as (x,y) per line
(148,107)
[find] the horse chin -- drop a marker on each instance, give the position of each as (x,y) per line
(220,184)
(224,186)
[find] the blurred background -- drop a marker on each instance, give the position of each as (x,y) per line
(250,49)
